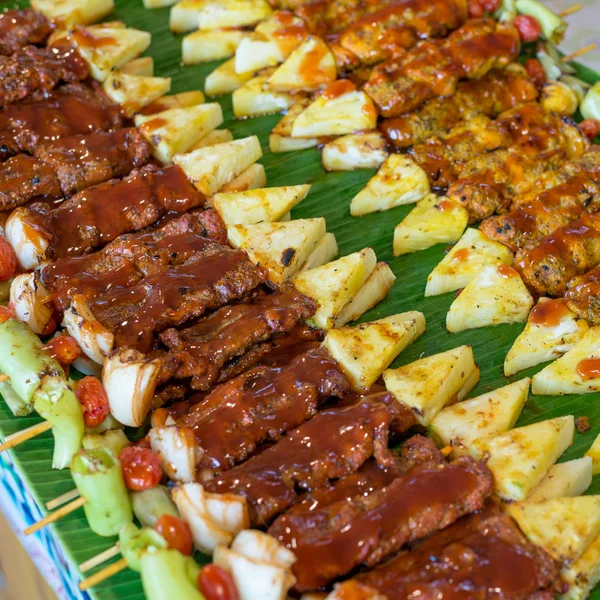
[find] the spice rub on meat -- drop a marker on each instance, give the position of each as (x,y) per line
(331,541)
(19,28)
(334,443)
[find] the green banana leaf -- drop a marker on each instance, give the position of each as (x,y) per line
(329,197)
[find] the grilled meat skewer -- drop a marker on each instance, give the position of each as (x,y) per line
(19,28)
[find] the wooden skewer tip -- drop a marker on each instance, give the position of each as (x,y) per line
(4,378)
(100,576)
(446,450)
(585,50)
(26,434)
(570,11)
(100,558)
(55,516)
(67,497)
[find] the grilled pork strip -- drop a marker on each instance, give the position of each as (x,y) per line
(334,443)
(19,28)
(434,68)
(331,541)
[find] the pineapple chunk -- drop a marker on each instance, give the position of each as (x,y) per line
(309,67)
(182,100)
(256,206)
(365,351)
(485,416)
(520,458)
(175,131)
(551,330)
(106,48)
(158,3)
(347,113)
(433,221)
(325,251)
(472,252)
(496,295)
(374,290)
(254,99)
(583,575)
(576,372)
(429,384)
(218,136)
(204,46)
(571,478)
(252,178)
(282,248)
(133,92)
(209,169)
(188,15)
(68,13)
(563,527)
(224,79)
(399,181)
(594,453)
(355,151)
(280,143)
(143,66)
(335,284)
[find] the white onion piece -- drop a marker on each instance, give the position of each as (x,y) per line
(26,298)
(29,245)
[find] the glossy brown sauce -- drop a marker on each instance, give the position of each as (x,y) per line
(462,254)
(338,88)
(506,271)
(549,313)
(310,67)
(589,368)
(86,39)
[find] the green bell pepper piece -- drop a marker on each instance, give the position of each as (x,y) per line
(113,439)
(133,542)
(150,505)
(553,27)
(168,574)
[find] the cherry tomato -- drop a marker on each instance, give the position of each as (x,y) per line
(176,532)
(92,397)
(141,468)
(476,9)
(590,128)
(50,327)
(144,442)
(216,584)
(491,5)
(536,71)
(6,313)
(64,348)
(528,27)
(8,260)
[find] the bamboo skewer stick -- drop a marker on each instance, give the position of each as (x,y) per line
(570,11)
(585,50)
(26,434)
(67,497)
(100,558)
(446,450)
(55,516)
(100,576)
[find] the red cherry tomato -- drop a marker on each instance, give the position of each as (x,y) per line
(216,584)
(476,9)
(6,313)
(64,348)
(590,128)
(8,260)
(491,5)
(141,468)
(50,327)
(536,71)
(529,28)
(176,532)
(92,397)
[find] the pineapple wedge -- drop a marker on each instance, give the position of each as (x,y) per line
(335,284)
(252,178)
(468,256)
(254,99)
(584,574)
(158,3)
(280,139)
(133,92)
(188,15)
(224,79)
(309,67)
(218,136)
(105,48)
(551,330)
(271,43)
(204,46)
(374,290)
(256,206)
(576,372)
(355,151)
(339,115)
(520,458)
(571,478)
(429,384)
(68,13)
(399,181)
(282,248)
(143,66)
(433,221)
(325,251)
(175,131)
(594,454)
(182,100)
(496,295)
(563,527)
(365,351)
(209,169)
(485,416)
